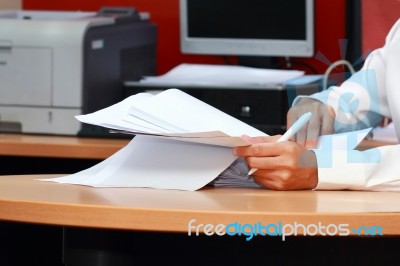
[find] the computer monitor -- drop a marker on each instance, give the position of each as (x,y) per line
(247,28)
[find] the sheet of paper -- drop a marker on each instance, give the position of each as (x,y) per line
(190,114)
(219,141)
(156,163)
(211,138)
(173,113)
(112,116)
(148,161)
(203,74)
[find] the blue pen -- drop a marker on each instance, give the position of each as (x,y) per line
(291,132)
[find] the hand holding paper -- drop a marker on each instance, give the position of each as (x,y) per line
(181,143)
(288,165)
(282,165)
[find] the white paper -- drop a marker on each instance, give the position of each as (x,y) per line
(173,113)
(149,161)
(156,163)
(112,117)
(203,74)
(190,114)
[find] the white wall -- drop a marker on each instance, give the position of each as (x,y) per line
(10,4)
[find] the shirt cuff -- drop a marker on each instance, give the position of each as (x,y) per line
(340,170)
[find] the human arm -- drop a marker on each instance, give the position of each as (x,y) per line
(288,166)
(360,102)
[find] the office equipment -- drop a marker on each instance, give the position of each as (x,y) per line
(55,65)
(291,132)
(262,28)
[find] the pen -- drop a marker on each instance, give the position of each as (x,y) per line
(290,132)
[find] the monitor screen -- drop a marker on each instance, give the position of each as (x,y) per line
(248,28)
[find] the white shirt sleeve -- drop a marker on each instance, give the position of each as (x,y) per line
(361,101)
(376,169)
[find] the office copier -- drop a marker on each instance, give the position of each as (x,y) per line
(55,65)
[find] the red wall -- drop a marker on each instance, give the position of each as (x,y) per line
(378,18)
(330,27)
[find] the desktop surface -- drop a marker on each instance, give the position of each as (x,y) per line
(54,146)
(24,199)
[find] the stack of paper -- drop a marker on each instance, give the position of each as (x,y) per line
(181,143)
(235,176)
(202,74)
(173,114)
(156,163)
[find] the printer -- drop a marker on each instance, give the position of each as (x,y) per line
(55,65)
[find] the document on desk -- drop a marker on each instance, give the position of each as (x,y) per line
(203,74)
(156,163)
(169,164)
(181,143)
(173,114)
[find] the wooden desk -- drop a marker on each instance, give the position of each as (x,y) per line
(24,199)
(81,147)
(59,146)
